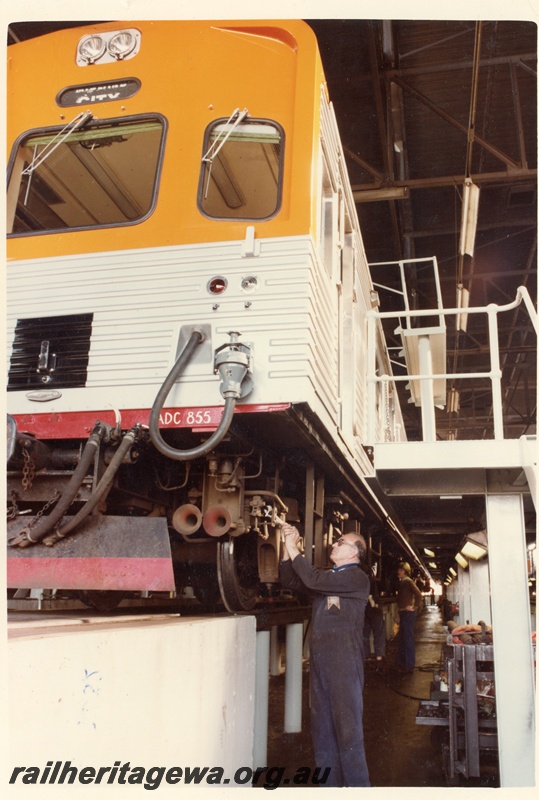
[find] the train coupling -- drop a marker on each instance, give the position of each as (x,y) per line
(234,363)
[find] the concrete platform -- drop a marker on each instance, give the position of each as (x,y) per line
(153,693)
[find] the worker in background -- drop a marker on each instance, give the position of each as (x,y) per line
(374,623)
(409,600)
(336,647)
(445,608)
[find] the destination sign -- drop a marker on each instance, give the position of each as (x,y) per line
(92,93)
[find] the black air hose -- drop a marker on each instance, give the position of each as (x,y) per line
(102,489)
(196,338)
(28,536)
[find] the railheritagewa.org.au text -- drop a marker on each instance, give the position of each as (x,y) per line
(151,778)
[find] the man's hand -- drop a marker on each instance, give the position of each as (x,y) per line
(290,533)
(291,538)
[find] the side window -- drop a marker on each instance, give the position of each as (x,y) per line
(241,174)
(328,230)
(104,174)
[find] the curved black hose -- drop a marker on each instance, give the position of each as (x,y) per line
(196,338)
(46,524)
(102,489)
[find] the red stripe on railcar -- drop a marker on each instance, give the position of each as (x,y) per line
(121,574)
(78,424)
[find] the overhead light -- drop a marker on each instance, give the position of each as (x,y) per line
(453,572)
(375,299)
(433,565)
(429,552)
(373,195)
(453,401)
(459,558)
(470,210)
(463,301)
(450,497)
(475,546)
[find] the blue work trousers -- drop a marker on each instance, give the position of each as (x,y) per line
(406,641)
(374,622)
(337,678)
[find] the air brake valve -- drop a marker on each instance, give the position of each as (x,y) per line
(233,361)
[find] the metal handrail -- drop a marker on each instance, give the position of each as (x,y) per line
(494,374)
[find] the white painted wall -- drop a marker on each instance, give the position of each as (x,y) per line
(480,591)
(155,692)
(463,588)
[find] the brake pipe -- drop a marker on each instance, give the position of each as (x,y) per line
(30,536)
(101,491)
(196,338)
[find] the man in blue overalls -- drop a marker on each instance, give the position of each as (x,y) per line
(339,599)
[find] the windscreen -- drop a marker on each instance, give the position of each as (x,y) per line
(241,174)
(100,176)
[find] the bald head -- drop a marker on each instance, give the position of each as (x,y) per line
(349,549)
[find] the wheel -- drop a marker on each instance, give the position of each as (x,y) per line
(101,600)
(205,584)
(237,572)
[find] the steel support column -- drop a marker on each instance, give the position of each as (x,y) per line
(260,743)
(479,592)
(293,678)
(275,651)
(428,419)
(513,658)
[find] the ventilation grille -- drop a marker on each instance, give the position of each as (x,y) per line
(50,352)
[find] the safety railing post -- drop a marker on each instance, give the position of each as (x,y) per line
(428,418)
(371,377)
(495,371)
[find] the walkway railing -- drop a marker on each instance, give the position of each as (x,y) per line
(494,375)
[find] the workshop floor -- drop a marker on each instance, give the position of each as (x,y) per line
(399,751)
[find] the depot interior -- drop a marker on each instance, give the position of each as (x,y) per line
(430,113)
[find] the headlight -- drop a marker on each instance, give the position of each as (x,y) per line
(122,44)
(107,47)
(91,48)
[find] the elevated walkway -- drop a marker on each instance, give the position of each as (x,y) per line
(451,467)
(491,483)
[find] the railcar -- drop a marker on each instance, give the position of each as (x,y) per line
(187,293)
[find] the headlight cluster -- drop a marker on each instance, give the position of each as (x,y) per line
(107,47)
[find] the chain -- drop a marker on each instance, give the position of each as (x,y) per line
(47,505)
(14,509)
(56,496)
(28,470)
(23,536)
